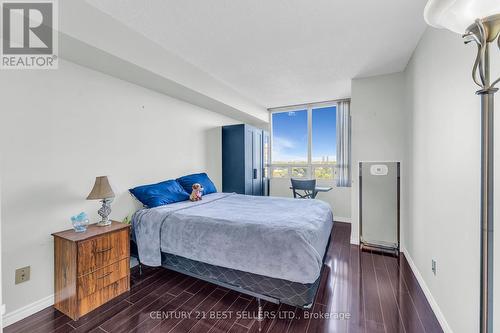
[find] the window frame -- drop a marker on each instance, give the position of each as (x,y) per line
(309,165)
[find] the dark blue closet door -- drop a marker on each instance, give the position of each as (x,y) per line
(257,163)
(243,160)
(248,148)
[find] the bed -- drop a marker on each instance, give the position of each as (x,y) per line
(267,247)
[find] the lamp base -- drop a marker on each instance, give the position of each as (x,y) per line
(103,223)
(104,212)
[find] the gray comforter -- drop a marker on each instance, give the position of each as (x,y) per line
(276,237)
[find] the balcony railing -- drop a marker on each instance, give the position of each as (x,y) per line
(324,171)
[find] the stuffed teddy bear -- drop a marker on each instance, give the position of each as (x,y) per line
(196,193)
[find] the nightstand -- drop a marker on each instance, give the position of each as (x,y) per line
(90,268)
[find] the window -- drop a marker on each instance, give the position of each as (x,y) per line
(304,142)
(323,172)
(289,142)
(299,172)
(324,135)
(280,172)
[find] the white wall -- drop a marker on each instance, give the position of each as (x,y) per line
(114,38)
(339,198)
(60,129)
(1,298)
(444,138)
(378,130)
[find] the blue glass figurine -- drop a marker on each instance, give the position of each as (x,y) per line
(80,222)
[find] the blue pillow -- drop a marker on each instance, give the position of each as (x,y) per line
(160,194)
(200,178)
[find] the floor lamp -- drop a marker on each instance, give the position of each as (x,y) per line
(478,21)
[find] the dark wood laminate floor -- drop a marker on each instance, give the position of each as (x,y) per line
(361,292)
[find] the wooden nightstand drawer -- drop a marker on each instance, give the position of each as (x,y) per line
(92,282)
(93,301)
(90,268)
(102,251)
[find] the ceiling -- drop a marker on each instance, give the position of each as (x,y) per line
(280,52)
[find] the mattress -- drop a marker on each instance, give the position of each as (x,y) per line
(274,237)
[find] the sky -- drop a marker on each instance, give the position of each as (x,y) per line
(290,135)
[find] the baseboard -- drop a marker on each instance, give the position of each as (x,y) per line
(11,317)
(427,292)
(354,240)
(342,219)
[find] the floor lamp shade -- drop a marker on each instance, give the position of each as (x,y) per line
(101,189)
(457,15)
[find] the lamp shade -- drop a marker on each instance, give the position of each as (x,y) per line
(101,189)
(457,15)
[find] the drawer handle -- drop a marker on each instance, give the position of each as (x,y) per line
(104,250)
(107,274)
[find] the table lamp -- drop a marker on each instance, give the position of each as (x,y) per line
(102,191)
(478,21)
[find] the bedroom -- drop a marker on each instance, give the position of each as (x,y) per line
(145,93)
